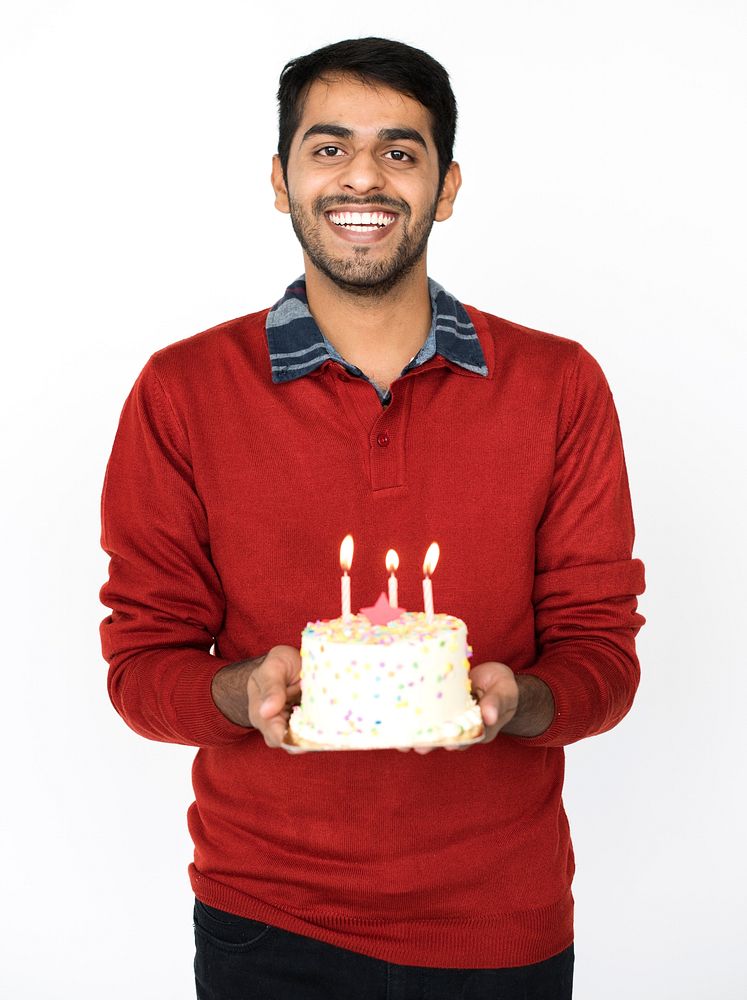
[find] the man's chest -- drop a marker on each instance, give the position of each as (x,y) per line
(282,485)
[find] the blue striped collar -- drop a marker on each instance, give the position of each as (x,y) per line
(297,345)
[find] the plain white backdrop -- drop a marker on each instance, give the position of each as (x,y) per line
(603,153)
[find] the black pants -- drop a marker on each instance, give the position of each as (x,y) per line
(240,959)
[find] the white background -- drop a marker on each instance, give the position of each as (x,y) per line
(602,147)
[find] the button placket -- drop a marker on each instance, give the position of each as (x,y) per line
(384,429)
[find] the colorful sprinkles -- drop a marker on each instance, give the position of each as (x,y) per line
(411,627)
(367,700)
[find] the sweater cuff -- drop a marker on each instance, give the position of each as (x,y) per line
(570,718)
(592,688)
(193,705)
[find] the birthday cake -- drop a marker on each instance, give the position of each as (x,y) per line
(400,683)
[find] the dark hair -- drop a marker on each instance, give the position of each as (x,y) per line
(405,69)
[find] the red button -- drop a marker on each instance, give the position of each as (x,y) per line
(382,440)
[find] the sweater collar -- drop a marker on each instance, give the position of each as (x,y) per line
(297,346)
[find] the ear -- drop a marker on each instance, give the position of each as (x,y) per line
(282,203)
(452,183)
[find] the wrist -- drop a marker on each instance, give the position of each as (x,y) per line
(230,690)
(536,708)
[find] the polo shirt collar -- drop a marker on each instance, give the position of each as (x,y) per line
(297,346)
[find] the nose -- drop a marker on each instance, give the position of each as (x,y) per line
(362,173)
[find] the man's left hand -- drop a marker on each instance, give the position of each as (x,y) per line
(517,704)
(497,692)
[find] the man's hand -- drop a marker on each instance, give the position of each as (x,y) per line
(495,687)
(261,693)
(517,704)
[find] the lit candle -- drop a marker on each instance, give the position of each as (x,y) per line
(429,564)
(346,561)
(392,565)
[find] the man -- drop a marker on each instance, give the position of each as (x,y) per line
(369,400)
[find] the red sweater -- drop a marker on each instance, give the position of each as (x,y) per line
(225,500)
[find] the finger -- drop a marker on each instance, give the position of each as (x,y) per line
(267,705)
(268,691)
(274,731)
(489,709)
(488,706)
(273,700)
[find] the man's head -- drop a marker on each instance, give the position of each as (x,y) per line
(366,127)
(377,61)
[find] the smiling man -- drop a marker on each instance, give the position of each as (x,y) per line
(372,230)
(366,185)
(370,400)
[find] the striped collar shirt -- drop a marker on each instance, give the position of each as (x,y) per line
(297,346)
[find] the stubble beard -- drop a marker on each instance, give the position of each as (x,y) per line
(358,274)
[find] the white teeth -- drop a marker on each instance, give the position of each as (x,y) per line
(361,221)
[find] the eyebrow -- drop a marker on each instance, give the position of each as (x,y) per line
(383,135)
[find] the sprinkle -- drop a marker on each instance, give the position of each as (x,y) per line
(410,627)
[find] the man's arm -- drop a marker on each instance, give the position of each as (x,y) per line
(260,693)
(586,672)
(517,705)
(165,594)
(586,580)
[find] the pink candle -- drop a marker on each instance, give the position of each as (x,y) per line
(392,565)
(346,561)
(429,564)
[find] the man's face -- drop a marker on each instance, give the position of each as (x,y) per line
(362,184)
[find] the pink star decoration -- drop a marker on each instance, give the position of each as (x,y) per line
(382,612)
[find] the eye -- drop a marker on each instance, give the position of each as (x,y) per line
(329,151)
(399,155)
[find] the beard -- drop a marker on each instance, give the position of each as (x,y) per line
(358,274)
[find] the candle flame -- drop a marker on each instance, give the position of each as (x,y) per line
(431,559)
(346,553)
(392,561)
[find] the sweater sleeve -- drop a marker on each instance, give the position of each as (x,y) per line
(165,595)
(585,579)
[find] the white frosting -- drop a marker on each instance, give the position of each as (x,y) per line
(370,686)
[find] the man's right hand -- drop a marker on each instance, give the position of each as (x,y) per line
(261,693)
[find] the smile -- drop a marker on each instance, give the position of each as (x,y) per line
(361,222)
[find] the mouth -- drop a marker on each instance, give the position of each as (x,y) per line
(361,222)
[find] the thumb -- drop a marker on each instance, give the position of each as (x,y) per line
(276,679)
(488,702)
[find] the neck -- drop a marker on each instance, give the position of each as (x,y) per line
(379,335)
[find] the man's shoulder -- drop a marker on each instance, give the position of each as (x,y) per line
(500,328)
(506,342)
(239,340)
